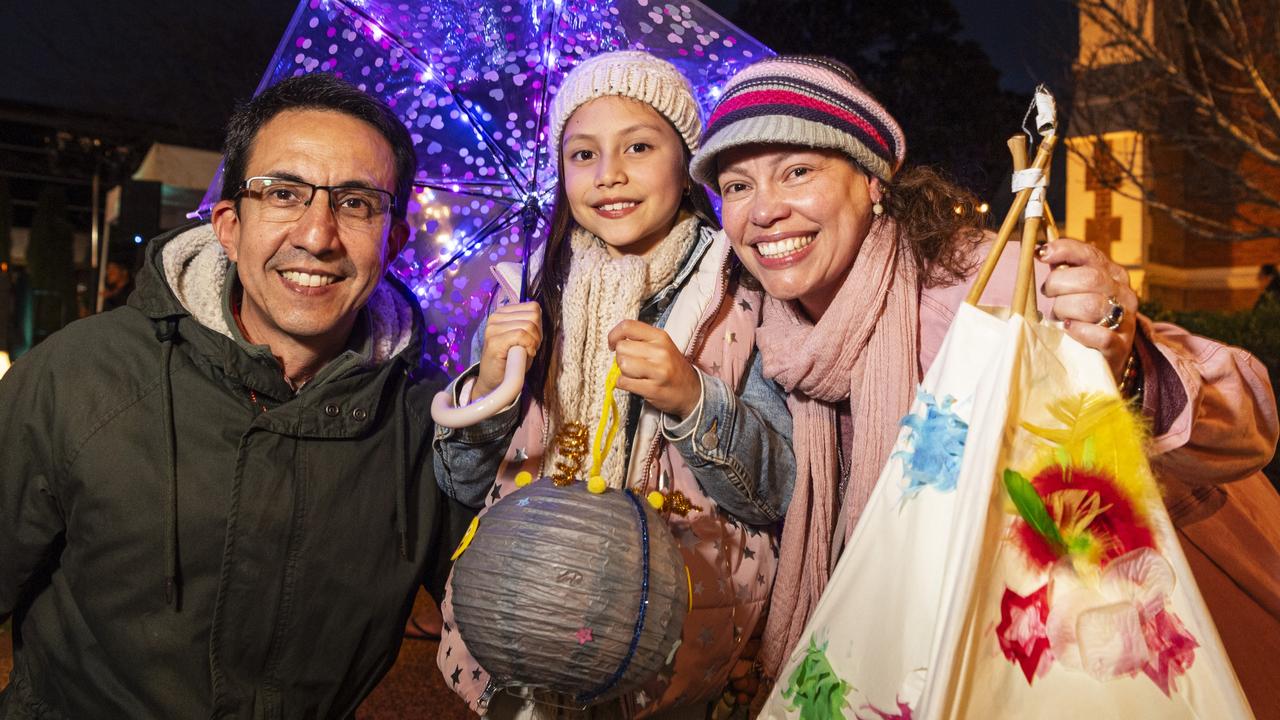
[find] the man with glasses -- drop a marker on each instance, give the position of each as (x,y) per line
(218,500)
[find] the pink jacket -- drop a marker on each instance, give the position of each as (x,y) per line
(731,566)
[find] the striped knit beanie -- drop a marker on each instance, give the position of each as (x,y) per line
(633,74)
(801,100)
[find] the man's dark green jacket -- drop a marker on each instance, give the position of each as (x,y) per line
(171,549)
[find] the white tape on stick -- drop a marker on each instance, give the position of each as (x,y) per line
(1029,178)
(1035,204)
(1046,111)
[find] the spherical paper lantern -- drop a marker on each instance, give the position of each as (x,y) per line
(565,590)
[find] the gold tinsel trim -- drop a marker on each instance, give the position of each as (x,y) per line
(571,443)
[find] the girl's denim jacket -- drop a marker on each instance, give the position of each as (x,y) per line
(737,445)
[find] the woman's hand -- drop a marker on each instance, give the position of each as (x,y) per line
(509,326)
(1083,284)
(654,369)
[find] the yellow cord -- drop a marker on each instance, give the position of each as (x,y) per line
(608,418)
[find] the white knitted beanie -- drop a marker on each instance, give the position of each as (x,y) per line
(634,74)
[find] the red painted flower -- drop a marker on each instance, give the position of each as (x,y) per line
(1171,646)
(1021,631)
(1095,518)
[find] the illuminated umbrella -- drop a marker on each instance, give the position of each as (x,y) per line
(473,81)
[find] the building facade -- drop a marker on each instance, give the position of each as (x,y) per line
(1131,149)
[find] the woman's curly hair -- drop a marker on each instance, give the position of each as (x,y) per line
(939,222)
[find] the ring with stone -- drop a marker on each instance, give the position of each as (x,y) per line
(1114,315)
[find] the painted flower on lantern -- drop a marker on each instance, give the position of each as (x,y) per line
(1082,522)
(935,445)
(1022,631)
(1089,490)
(1122,624)
(1173,649)
(1078,513)
(814,688)
(903,712)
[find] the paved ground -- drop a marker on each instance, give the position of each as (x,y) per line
(413,689)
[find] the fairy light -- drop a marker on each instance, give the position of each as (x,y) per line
(350,37)
(449,244)
(435,211)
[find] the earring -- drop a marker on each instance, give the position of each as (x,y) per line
(877,209)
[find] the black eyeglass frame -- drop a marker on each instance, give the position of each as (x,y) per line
(388,209)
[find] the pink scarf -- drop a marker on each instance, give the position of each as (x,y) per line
(864,350)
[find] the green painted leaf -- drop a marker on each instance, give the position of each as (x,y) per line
(814,688)
(1032,509)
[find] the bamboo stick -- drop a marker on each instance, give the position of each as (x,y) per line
(1043,154)
(1024,290)
(1026,295)
(1029,307)
(1050,225)
(1018,149)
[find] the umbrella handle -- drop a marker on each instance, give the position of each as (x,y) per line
(444,413)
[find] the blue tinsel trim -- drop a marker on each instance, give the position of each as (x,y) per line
(644,605)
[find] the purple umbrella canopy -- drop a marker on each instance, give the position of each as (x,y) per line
(473,82)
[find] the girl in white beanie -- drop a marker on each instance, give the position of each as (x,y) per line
(636,270)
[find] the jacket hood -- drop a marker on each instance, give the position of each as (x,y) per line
(186,273)
(184,281)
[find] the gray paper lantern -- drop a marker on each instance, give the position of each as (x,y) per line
(556,591)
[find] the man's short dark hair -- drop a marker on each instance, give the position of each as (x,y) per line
(317,91)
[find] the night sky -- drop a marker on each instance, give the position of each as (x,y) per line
(159,62)
(1029,42)
(180,66)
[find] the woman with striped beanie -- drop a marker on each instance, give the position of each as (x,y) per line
(866,262)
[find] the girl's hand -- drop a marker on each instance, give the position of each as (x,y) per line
(654,369)
(1083,284)
(509,326)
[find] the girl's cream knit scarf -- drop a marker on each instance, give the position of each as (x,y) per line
(600,292)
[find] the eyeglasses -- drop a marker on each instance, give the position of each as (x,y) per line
(285,201)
